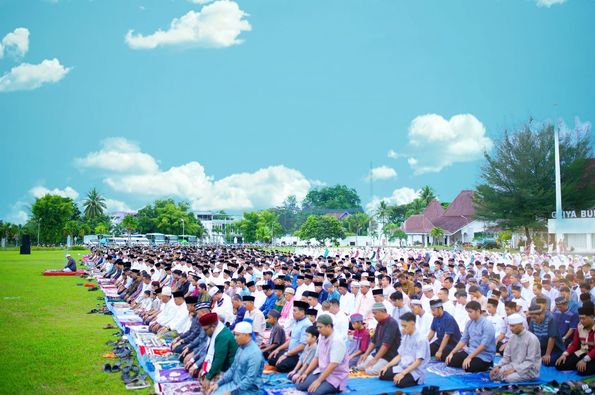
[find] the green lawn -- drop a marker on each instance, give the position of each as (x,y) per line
(48,342)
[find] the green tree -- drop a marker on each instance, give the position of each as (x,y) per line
(288,214)
(417,206)
(382,212)
(54,212)
(426,194)
(249,226)
(94,204)
(321,228)
(436,233)
(338,197)
(267,226)
(168,217)
(518,189)
(356,223)
(101,229)
(130,223)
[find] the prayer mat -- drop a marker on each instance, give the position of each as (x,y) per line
(187,387)
(61,273)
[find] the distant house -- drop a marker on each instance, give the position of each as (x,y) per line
(457,221)
(338,214)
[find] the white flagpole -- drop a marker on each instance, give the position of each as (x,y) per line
(559,236)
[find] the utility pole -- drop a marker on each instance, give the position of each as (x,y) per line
(559,235)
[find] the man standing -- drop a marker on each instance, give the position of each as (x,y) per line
(407,368)
(327,373)
(522,357)
(245,374)
(476,349)
(446,330)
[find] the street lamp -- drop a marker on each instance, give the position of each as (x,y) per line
(183,229)
(38,225)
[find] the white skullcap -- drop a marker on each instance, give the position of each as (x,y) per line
(415,301)
(525,279)
(427,288)
(364,283)
(216,270)
(166,291)
(243,327)
(213,291)
(514,319)
(354,284)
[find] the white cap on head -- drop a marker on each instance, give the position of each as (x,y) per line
(213,291)
(525,279)
(166,291)
(216,270)
(514,319)
(415,301)
(355,284)
(427,288)
(67,255)
(364,283)
(243,327)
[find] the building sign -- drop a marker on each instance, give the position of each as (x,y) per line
(576,213)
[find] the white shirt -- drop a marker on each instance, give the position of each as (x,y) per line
(340,324)
(461,316)
(347,303)
(498,323)
(224,308)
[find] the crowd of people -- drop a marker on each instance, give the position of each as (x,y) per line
(317,316)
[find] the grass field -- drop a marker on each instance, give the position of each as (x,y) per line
(49,344)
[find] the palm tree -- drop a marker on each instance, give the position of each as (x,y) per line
(436,233)
(94,204)
(426,194)
(382,212)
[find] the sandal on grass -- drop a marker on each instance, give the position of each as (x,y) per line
(137,384)
(107,368)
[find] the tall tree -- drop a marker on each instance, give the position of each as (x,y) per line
(357,223)
(94,204)
(338,197)
(436,234)
(248,226)
(167,216)
(129,223)
(321,228)
(518,189)
(54,212)
(426,194)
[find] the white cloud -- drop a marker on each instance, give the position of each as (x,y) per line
(216,25)
(15,43)
(436,143)
(41,191)
(399,196)
(549,3)
(119,155)
(31,76)
(382,173)
(19,213)
(116,205)
(394,154)
(263,188)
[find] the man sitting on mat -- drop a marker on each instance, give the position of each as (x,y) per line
(70,264)
(446,329)
(581,352)
(475,352)
(407,368)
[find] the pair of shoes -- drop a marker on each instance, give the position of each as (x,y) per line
(107,368)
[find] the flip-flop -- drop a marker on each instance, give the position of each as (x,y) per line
(137,384)
(115,368)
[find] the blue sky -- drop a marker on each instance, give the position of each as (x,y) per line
(235,105)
